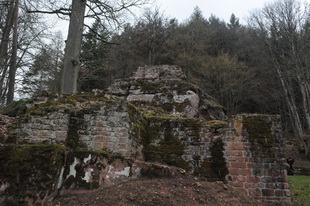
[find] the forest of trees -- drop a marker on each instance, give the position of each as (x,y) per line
(260,67)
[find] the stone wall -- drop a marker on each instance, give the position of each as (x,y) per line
(180,142)
(104,125)
(255,161)
(246,148)
(50,128)
(34,174)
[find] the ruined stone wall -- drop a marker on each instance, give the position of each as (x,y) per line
(180,142)
(246,147)
(109,129)
(253,151)
(91,125)
(154,116)
(47,128)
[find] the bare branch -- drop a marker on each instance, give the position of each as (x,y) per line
(62,11)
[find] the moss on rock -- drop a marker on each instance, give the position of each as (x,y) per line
(168,150)
(214,168)
(259,130)
(75,123)
(29,170)
(14,109)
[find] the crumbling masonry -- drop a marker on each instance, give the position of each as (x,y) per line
(155,116)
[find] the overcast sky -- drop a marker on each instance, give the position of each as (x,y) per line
(182,9)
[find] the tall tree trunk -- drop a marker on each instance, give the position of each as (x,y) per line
(73,47)
(13,65)
(4,43)
(299,132)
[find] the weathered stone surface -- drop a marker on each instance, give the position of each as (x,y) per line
(158,72)
(165,87)
(255,158)
(29,172)
(155,116)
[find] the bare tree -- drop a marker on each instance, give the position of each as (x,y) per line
(19,32)
(73,47)
(6,21)
(282,27)
(80,9)
(13,64)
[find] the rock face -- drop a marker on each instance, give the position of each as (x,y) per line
(139,126)
(165,87)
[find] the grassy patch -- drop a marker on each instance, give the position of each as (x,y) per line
(300,189)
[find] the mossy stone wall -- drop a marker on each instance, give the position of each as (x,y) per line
(256,165)
(29,171)
(182,142)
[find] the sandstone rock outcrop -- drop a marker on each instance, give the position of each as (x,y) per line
(166,87)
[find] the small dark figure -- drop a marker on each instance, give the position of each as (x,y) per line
(290,166)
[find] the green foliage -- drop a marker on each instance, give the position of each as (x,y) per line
(95,49)
(300,190)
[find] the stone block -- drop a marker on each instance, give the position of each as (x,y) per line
(238,164)
(271,186)
(238,184)
(98,129)
(286,186)
(235,146)
(121,130)
(245,172)
(249,165)
(279,193)
(255,192)
(249,185)
(99,124)
(102,145)
(64,128)
(268,192)
(241,178)
(287,193)
(253,179)
(245,191)
(233,171)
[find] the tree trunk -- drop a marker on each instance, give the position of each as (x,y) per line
(13,65)
(4,43)
(73,47)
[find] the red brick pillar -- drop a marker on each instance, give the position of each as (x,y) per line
(254,158)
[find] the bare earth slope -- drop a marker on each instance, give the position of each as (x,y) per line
(183,191)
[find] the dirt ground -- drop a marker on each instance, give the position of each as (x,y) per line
(176,191)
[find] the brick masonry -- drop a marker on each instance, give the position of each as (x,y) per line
(259,175)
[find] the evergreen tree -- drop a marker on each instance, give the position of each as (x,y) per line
(94,72)
(44,73)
